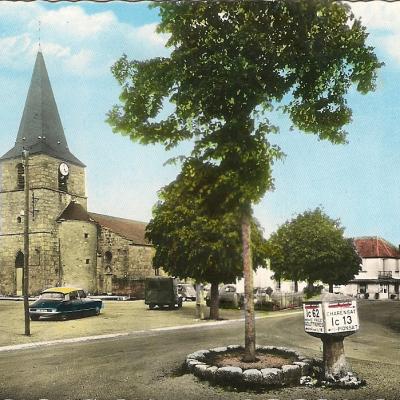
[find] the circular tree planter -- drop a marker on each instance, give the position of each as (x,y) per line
(276,366)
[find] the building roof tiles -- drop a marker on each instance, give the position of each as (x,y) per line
(127,228)
(375,247)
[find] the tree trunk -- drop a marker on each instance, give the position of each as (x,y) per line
(249,323)
(296,286)
(330,287)
(214,301)
(199,301)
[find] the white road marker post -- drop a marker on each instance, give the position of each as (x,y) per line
(331,318)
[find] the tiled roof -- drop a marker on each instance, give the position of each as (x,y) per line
(127,228)
(375,247)
(41,130)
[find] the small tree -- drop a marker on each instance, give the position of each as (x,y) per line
(311,247)
(191,242)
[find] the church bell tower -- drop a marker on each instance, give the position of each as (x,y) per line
(57,177)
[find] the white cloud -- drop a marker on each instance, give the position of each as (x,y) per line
(55,50)
(13,50)
(383,19)
(379,15)
(73,21)
(80,63)
(148,34)
(73,40)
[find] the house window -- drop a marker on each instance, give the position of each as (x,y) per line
(362,288)
(86,235)
(20,176)
(88,261)
(19,220)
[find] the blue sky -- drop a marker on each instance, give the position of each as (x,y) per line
(358,183)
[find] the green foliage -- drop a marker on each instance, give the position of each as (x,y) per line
(229,62)
(311,291)
(189,242)
(231,59)
(312,247)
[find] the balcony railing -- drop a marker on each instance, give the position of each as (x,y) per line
(384,274)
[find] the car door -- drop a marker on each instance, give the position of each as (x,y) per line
(75,302)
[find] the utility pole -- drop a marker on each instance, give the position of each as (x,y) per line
(25,156)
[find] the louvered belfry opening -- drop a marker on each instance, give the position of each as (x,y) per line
(62,182)
(20,176)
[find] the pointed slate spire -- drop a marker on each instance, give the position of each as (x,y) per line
(40,130)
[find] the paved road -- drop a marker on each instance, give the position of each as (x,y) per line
(147,366)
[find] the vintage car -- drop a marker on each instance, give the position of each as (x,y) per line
(186,291)
(228,297)
(63,303)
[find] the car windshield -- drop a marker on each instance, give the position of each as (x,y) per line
(52,295)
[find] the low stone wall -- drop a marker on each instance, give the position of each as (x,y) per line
(128,287)
(287,375)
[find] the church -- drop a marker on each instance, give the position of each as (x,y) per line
(68,245)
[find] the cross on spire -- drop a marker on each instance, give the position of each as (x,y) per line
(39,23)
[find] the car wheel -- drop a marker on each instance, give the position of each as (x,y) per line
(97,311)
(34,317)
(63,317)
(171,306)
(151,306)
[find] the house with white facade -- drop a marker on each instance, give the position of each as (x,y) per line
(380,274)
(379,277)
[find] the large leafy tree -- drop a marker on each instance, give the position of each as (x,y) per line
(192,243)
(311,247)
(230,63)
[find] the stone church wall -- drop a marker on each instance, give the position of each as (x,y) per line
(43,262)
(78,251)
(127,264)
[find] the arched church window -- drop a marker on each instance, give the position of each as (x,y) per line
(19,273)
(20,176)
(108,257)
(19,260)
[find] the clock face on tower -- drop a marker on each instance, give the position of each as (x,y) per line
(64,169)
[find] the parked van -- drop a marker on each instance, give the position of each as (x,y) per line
(162,291)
